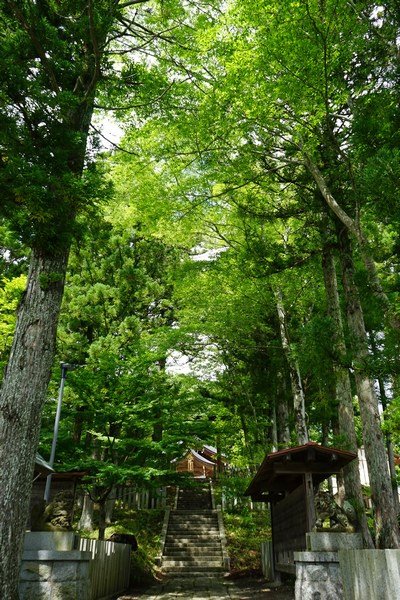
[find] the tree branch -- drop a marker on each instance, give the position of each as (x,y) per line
(38,46)
(113,143)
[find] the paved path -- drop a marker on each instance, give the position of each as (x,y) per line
(211,588)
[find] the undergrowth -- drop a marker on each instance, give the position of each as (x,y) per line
(245,530)
(146,526)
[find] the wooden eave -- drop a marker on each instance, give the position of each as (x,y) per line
(201,458)
(42,467)
(67,475)
(284,470)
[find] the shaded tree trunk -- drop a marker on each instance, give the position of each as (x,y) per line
(294,373)
(158,426)
(86,520)
(388,439)
(21,401)
(282,412)
(353,226)
(387,530)
(102,518)
(351,473)
(110,505)
(274,426)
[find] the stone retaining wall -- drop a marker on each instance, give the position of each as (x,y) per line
(318,576)
(370,574)
(55,575)
(337,568)
(61,566)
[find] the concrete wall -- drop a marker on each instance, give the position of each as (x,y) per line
(61,566)
(370,574)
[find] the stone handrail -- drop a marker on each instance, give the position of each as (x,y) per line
(225,556)
(163,536)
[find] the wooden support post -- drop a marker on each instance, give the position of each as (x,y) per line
(310,503)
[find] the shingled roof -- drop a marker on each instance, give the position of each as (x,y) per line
(283,471)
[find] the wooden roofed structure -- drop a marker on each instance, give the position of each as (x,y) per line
(196,464)
(287,480)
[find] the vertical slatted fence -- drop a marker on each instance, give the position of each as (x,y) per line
(109,567)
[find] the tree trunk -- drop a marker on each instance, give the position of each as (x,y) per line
(21,399)
(247,442)
(86,520)
(294,372)
(351,473)
(388,438)
(110,504)
(282,413)
(274,426)
(387,530)
(102,518)
(390,451)
(354,228)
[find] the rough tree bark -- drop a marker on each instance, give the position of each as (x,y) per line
(386,526)
(388,437)
(86,520)
(28,371)
(299,404)
(21,399)
(351,473)
(354,228)
(282,412)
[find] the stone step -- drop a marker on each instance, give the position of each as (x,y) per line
(199,526)
(194,524)
(193,570)
(193,519)
(194,511)
(210,556)
(192,540)
(199,578)
(192,533)
(193,548)
(192,528)
(203,547)
(191,562)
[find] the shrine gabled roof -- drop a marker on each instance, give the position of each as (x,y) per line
(202,458)
(283,470)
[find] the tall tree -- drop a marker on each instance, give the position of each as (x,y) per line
(52,57)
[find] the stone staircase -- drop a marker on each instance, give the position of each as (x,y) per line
(193,540)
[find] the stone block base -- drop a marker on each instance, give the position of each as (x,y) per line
(318,576)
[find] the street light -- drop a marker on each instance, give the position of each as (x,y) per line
(64,368)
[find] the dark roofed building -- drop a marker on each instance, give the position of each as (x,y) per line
(287,480)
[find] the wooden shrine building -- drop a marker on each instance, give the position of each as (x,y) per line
(288,480)
(199,466)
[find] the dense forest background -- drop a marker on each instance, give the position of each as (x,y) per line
(233,236)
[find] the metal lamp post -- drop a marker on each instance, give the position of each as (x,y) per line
(64,368)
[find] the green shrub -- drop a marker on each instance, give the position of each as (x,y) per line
(245,531)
